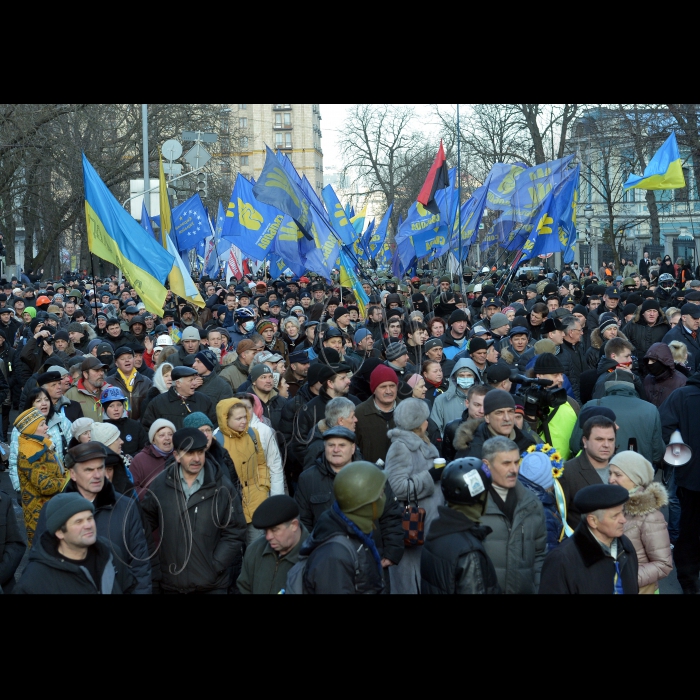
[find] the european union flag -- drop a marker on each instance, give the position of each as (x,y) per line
(190,223)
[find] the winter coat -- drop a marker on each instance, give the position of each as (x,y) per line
(606,373)
(201,538)
(132,433)
(272,455)
(330,568)
(597,349)
(216,388)
(314,495)
(90,403)
(272,408)
(12,546)
(248,457)
(144,467)
(235,374)
(171,407)
(573,358)
(680,412)
(118,520)
(409,458)
(579,565)
(459,435)
(642,335)
(551,513)
(453,558)
(647,530)
(138,392)
(450,405)
(49,572)
(264,571)
(560,425)
(483,433)
(517,549)
(372,430)
(659,388)
(693,344)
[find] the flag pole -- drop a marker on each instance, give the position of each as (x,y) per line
(459,205)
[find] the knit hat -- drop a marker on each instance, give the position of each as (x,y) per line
(413,380)
(190,333)
(498,398)
(197,420)
(544,345)
(458,315)
(361,334)
(635,467)
(395,350)
(476,344)
(80,426)
(548,363)
(381,374)
(63,335)
(432,343)
(605,321)
(264,324)
(258,370)
(650,304)
(498,320)
(163,423)
(106,433)
(207,358)
(340,311)
(411,414)
(32,312)
(76,327)
(28,421)
(537,467)
(62,507)
(498,373)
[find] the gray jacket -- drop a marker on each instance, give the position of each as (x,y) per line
(450,405)
(517,550)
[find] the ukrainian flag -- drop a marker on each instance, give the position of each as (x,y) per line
(116,237)
(664,171)
(348,278)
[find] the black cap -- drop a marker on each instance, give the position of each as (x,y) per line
(189,439)
(692,310)
(497,373)
(339,431)
(123,350)
(180,372)
(275,510)
(86,451)
(299,357)
(600,497)
(48,377)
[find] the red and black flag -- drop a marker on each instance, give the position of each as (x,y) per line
(437,179)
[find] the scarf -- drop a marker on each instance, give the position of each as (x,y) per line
(365,539)
(129,380)
(473,511)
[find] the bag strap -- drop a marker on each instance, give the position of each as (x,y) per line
(415,493)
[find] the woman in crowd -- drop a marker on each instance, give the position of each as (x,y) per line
(162,381)
(436,327)
(291,335)
(435,384)
(147,464)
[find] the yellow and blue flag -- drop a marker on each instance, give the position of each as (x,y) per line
(377,239)
(664,172)
(116,237)
(358,221)
(339,219)
(348,278)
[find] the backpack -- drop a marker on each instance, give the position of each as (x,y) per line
(295,577)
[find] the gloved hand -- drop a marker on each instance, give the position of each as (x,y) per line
(436,473)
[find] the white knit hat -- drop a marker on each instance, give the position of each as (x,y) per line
(636,468)
(157,425)
(106,433)
(81,425)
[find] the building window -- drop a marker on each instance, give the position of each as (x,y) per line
(629,195)
(244,160)
(288,140)
(242,106)
(278,120)
(287,118)
(243,122)
(681,194)
(244,142)
(279,139)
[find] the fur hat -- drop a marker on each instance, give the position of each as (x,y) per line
(411,413)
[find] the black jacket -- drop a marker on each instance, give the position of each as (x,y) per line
(12,544)
(201,538)
(132,433)
(118,521)
(314,494)
(482,433)
(48,572)
(573,358)
(331,568)
(453,559)
(138,392)
(171,407)
(579,565)
(693,344)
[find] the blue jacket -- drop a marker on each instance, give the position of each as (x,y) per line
(551,513)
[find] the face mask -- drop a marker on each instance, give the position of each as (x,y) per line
(248,326)
(657,368)
(465,382)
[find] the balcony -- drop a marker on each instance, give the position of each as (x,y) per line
(279,108)
(283,146)
(281,127)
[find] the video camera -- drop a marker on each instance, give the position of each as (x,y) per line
(538,399)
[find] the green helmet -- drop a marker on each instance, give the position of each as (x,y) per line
(358,484)
(430,289)
(423,288)
(470,288)
(455,287)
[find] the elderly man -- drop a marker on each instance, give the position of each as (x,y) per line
(499,419)
(117,518)
(180,400)
(199,515)
(89,387)
(268,559)
(70,557)
(598,557)
(518,540)
(126,376)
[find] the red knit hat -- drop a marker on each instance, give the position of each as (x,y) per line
(381,374)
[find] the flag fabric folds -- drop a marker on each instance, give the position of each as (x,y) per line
(116,237)
(664,172)
(191,223)
(339,220)
(437,178)
(348,278)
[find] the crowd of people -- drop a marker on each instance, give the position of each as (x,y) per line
(470,436)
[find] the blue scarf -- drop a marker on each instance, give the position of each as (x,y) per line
(366,539)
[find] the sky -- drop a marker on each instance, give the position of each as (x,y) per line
(332,118)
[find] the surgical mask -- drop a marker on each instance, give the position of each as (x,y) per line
(465,382)
(248,326)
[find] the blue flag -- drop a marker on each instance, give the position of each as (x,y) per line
(212,251)
(190,223)
(338,218)
(146,221)
(567,218)
(376,240)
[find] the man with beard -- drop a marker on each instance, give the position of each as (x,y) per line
(88,389)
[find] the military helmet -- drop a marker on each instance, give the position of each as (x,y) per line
(464,480)
(358,484)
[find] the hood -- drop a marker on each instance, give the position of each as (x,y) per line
(222,409)
(605,364)
(620,389)
(158,381)
(465,433)
(645,501)
(661,353)
(467,363)
(409,438)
